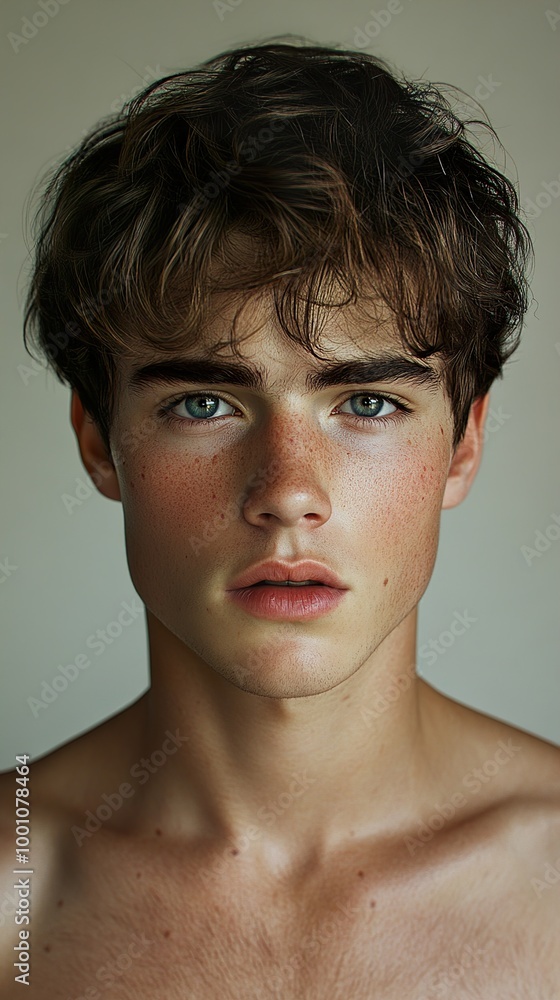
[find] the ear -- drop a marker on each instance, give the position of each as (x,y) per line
(94,455)
(468,453)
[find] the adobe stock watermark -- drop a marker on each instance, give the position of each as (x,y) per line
(8,906)
(130,440)
(150,74)
(380,19)
(486,87)
(254,660)
(543,200)
(441,982)
(219,179)
(473,781)
(6,569)
(429,651)
(553,17)
(84,490)
(113,801)
(212,529)
(550,877)
(59,340)
(98,642)
(383,700)
(320,936)
(30,27)
(109,974)
(542,541)
(268,814)
(223,7)
(494,420)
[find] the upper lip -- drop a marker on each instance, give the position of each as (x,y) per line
(282,571)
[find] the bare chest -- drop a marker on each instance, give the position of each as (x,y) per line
(158,926)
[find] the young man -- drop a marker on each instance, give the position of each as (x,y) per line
(280,287)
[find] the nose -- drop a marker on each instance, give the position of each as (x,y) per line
(290,489)
(291,505)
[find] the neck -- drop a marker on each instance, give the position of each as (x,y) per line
(289,775)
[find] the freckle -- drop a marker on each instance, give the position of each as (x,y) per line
(158,831)
(47,947)
(166,933)
(138,874)
(235,851)
(372,902)
(361,874)
(386,581)
(60,902)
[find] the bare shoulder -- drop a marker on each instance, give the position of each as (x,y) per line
(59,778)
(503,759)
(493,838)
(56,785)
(509,782)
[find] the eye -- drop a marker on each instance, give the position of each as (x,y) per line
(200,407)
(203,408)
(372,403)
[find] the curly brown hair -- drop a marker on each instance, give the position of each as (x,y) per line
(342,177)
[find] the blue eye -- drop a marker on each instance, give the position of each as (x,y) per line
(369,401)
(202,408)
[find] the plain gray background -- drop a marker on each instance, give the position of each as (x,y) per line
(63,572)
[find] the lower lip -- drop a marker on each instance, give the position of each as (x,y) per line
(287,602)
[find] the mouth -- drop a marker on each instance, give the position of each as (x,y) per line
(277,599)
(288,583)
(283,573)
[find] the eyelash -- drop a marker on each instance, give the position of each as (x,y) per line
(164,412)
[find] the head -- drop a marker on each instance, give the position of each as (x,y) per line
(282,208)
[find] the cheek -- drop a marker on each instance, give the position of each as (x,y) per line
(172,506)
(399,517)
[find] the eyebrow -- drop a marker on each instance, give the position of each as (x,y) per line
(385,367)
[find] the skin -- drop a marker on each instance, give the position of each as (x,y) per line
(276,851)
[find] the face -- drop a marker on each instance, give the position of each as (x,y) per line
(351,474)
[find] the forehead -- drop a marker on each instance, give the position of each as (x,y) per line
(245,336)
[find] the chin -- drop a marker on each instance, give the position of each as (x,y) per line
(284,675)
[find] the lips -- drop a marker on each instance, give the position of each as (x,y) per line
(279,572)
(287,583)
